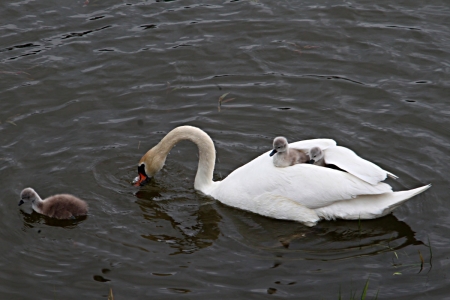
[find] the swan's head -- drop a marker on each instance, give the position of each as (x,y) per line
(150,164)
(280,144)
(26,195)
(315,153)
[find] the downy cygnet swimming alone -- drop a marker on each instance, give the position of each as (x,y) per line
(61,206)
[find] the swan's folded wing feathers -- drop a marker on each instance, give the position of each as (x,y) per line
(308,185)
(318,186)
(347,160)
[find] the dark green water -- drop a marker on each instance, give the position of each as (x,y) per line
(86,88)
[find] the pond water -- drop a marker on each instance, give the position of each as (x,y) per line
(88,86)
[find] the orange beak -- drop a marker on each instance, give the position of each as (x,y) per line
(141,180)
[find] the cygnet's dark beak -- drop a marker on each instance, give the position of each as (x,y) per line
(273,152)
(312,161)
(21,202)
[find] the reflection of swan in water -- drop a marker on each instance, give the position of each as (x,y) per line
(189,230)
(327,241)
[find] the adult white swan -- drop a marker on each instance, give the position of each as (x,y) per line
(305,193)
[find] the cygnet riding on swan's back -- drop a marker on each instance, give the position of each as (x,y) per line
(316,156)
(303,192)
(284,156)
(61,206)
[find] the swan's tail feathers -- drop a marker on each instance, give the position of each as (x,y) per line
(414,192)
(403,196)
(368,206)
(393,176)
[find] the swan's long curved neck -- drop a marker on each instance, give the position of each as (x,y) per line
(206,152)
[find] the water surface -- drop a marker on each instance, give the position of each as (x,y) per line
(88,86)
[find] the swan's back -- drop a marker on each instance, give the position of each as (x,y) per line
(309,185)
